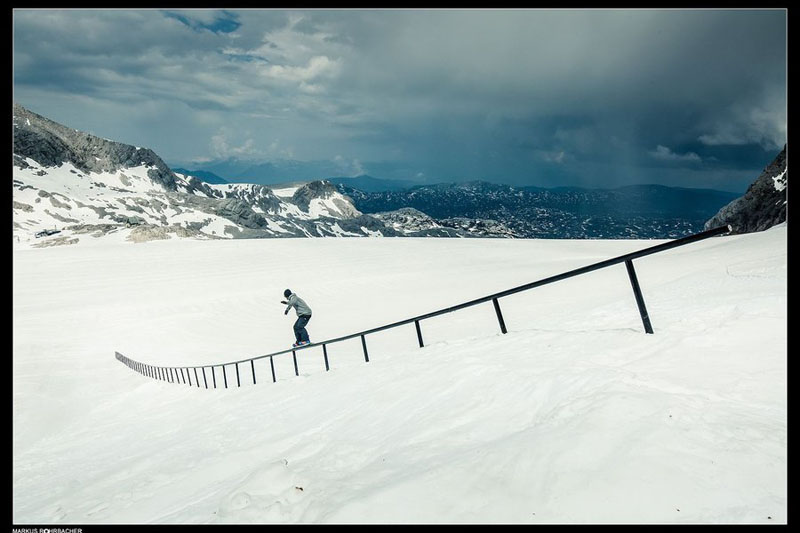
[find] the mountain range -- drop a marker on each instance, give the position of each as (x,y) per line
(70,186)
(637,211)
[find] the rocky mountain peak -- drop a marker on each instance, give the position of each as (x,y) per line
(321,189)
(50,144)
(325,190)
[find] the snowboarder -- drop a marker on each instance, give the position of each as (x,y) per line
(303,316)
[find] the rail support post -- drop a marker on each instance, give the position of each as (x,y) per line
(637,292)
(364,346)
(419,333)
(272,368)
(325,354)
(499,315)
(294,358)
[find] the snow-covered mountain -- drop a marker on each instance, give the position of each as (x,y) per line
(70,186)
(764,203)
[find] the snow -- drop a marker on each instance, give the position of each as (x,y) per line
(230,187)
(286,192)
(779,181)
(575,416)
(371,233)
(218,227)
(57,179)
(318,207)
(77,197)
(72,187)
(339,232)
(275,227)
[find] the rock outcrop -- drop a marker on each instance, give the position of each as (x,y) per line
(762,206)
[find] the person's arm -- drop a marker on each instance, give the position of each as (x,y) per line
(289,304)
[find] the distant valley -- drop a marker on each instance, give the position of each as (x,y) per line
(640,211)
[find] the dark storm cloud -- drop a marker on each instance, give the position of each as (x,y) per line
(510,95)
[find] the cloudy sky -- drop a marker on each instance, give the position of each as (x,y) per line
(598,98)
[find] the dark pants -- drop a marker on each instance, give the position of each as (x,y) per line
(300,332)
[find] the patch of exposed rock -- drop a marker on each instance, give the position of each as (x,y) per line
(762,206)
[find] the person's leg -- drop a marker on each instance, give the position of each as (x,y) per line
(302,321)
(298,327)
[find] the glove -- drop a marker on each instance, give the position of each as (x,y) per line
(284,302)
(286,312)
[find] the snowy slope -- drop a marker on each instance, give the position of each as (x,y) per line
(120,204)
(574,416)
(86,205)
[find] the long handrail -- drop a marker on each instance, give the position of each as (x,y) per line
(626,258)
(576,272)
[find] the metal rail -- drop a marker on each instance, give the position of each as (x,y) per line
(158,372)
